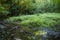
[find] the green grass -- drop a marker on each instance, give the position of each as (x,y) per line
(25,17)
(51,15)
(38,20)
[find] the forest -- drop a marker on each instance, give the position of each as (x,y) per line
(29,19)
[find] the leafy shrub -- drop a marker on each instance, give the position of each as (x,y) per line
(45,6)
(14,10)
(25,6)
(3,12)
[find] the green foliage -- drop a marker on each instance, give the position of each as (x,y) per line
(18,6)
(45,6)
(3,12)
(26,6)
(31,24)
(14,10)
(58,6)
(41,20)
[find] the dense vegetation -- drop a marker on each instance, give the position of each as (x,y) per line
(30,19)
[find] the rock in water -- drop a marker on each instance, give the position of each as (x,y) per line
(17,39)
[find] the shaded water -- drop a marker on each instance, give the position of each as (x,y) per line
(51,35)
